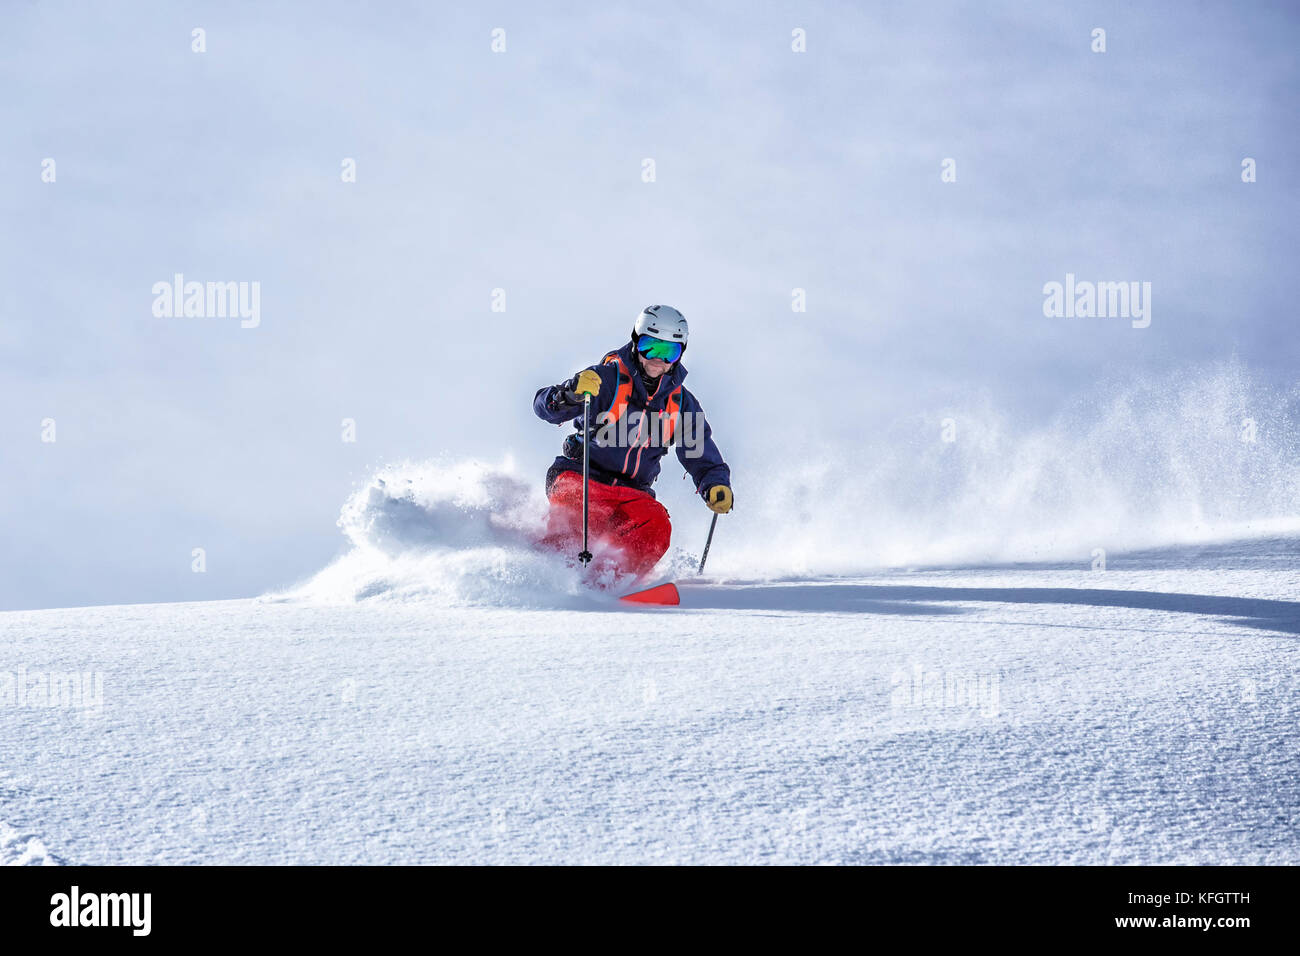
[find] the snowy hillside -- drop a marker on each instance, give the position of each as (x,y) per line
(1045,714)
(862,678)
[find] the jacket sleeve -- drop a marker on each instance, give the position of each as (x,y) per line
(549,408)
(696,449)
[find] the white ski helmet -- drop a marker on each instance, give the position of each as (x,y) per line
(663,322)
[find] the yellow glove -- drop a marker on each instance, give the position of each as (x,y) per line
(588,382)
(718,498)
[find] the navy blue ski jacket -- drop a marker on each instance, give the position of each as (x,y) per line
(631,430)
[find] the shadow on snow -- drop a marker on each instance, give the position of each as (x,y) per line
(1272,615)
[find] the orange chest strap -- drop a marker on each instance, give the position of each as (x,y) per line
(624,391)
(671,414)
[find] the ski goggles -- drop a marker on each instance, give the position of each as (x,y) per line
(653,348)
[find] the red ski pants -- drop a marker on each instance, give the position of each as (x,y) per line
(620,518)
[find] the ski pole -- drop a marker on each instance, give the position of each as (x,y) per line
(712,524)
(584,555)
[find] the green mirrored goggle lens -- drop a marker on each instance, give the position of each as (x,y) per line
(654,348)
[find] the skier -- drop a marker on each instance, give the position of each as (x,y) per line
(638,408)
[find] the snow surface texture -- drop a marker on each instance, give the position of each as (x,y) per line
(20,849)
(1144,714)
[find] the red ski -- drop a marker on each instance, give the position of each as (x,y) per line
(659,594)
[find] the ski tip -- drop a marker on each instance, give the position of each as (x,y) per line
(659,594)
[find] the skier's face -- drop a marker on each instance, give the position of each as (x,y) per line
(653,367)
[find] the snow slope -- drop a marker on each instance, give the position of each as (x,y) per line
(867,677)
(1021,713)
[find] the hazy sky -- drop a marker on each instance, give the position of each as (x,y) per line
(522,170)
